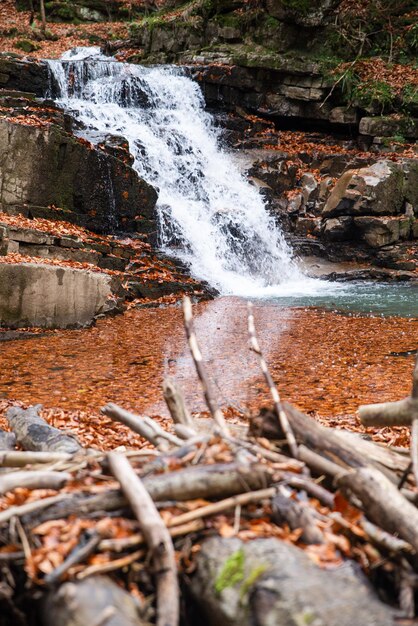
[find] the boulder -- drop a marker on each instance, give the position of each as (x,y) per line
(338,228)
(48,296)
(381,231)
(386,126)
(373,190)
(23,75)
(269,582)
(44,166)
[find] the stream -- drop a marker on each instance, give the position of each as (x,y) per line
(314,333)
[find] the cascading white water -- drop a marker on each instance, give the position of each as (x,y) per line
(210,216)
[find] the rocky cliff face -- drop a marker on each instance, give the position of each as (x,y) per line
(43,165)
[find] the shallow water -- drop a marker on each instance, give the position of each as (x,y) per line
(321,360)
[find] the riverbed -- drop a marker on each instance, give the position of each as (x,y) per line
(326,362)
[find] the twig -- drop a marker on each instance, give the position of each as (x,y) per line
(31,507)
(103,568)
(223,505)
(157,538)
(117,545)
(284,422)
(144,426)
(211,402)
(79,554)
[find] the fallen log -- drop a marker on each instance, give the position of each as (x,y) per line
(96,601)
(157,537)
(34,433)
(310,433)
(382,503)
(208,482)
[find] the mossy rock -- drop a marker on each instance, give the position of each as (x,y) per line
(26,45)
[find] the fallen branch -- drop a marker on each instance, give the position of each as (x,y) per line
(33,480)
(117,545)
(223,505)
(80,553)
(176,405)
(208,392)
(156,536)
(400,413)
(383,503)
(21,459)
(278,407)
(144,426)
(296,515)
(210,481)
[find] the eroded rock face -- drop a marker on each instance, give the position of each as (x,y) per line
(44,166)
(270,583)
(47,296)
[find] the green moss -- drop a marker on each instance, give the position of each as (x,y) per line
(26,45)
(232,572)
(252,577)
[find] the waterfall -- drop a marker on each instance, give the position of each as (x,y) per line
(210,217)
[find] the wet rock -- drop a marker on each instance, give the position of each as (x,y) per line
(269,582)
(377,189)
(302,13)
(310,189)
(22,75)
(338,229)
(112,197)
(380,231)
(308,226)
(64,297)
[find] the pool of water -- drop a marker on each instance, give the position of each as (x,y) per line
(366,298)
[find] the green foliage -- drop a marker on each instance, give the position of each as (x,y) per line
(410,95)
(298,6)
(374,95)
(232,572)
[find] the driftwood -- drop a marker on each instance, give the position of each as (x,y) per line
(383,503)
(96,601)
(34,433)
(22,459)
(33,480)
(400,413)
(176,405)
(278,406)
(310,433)
(7,440)
(156,536)
(86,547)
(208,481)
(144,426)
(208,391)
(296,515)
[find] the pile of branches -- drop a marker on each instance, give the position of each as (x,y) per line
(74,520)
